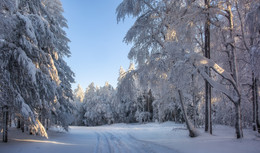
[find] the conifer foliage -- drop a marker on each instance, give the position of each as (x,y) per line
(35,79)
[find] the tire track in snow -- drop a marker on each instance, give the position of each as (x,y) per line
(164,149)
(124,143)
(108,142)
(119,145)
(97,149)
(103,144)
(135,146)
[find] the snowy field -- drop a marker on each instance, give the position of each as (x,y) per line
(132,138)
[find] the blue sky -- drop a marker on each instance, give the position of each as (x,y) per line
(97,47)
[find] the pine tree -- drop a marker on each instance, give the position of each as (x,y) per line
(33,54)
(79,94)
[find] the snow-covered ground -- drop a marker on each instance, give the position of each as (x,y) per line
(133,138)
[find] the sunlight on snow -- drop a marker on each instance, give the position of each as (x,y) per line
(56,56)
(163,76)
(171,35)
(214,100)
(218,68)
(203,62)
(42,141)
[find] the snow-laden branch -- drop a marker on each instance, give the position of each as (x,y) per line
(200,62)
(27,112)
(222,88)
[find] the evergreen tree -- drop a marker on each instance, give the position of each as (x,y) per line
(33,44)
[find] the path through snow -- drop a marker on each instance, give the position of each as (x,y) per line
(132,138)
(125,143)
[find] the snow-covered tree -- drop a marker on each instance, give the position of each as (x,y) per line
(148,32)
(186,26)
(97,105)
(253,20)
(29,49)
(77,102)
(79,94)
(126,96)
(59,50)
(121,74)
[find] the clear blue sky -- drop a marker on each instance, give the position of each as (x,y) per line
(97,47)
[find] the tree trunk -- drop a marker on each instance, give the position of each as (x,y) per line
(5,124)
(18,123)
(257,124)
(194,103)
(234,71)
(30,131)
(44,122)
(26,125)
(253,100)
(192,132)
(238,124)
(47,124)
(10,119)
(22,124)
(208,121)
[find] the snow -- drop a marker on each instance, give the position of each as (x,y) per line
(25,109)
(26,63)
(167,137)
(201,62)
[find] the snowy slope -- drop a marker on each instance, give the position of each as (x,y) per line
(132,138)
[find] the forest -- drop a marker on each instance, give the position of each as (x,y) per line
(194,61)
(199,58)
